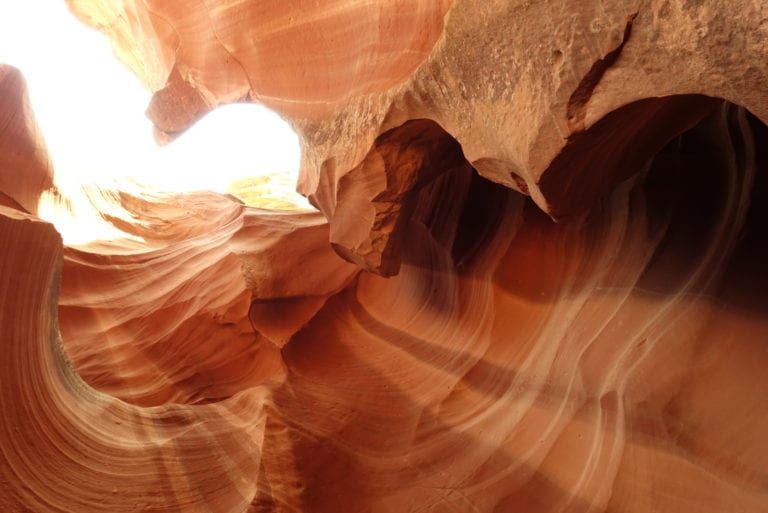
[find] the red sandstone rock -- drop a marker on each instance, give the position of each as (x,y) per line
(611,361)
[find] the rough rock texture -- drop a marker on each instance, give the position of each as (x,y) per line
(432,340)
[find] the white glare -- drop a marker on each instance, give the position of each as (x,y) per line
(91,111)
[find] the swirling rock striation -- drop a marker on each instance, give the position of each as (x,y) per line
(432,340)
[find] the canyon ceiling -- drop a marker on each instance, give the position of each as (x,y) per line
(535,280)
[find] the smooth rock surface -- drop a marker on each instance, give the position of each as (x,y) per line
(432,340)
(25,170)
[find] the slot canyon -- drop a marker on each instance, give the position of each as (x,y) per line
(533,281)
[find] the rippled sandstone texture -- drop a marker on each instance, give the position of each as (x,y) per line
(431,340)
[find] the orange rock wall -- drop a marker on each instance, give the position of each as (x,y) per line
(432,340)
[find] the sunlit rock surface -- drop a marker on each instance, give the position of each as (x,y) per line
(432,340)
(25,170)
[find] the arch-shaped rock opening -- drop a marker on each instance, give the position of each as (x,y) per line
(615,148)
(692,197)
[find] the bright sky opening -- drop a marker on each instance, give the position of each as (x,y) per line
(91,111)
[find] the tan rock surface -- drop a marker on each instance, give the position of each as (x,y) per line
(470,354)
(556,68)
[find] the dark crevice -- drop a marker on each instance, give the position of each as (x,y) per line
(480,219)
(616,148)
(690,186)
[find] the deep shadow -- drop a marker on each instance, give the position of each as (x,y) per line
(615,148)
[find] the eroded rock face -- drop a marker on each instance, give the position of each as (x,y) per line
(432,340)
(25,170)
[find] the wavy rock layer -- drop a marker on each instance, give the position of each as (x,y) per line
(170,322)
(433,341)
